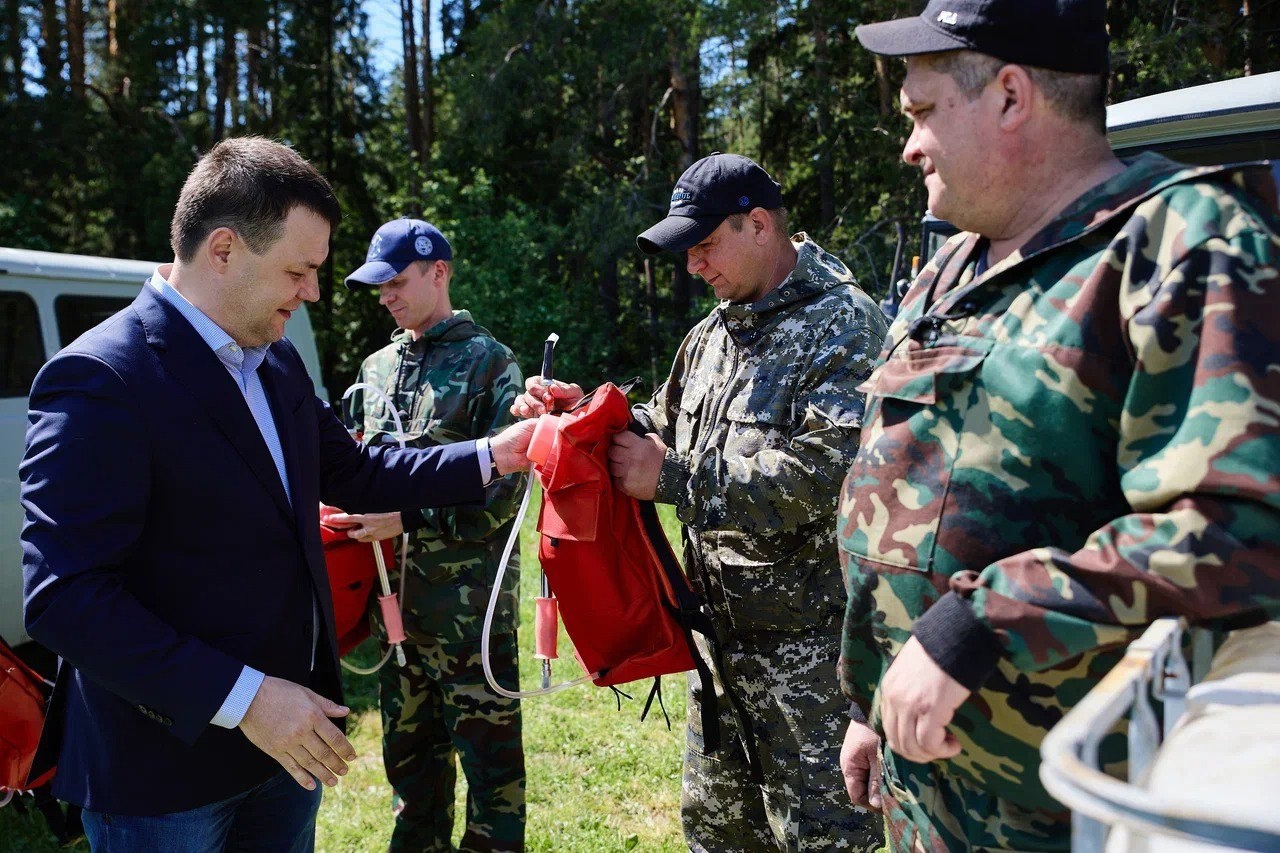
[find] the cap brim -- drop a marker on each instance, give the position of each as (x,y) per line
(677,233)
(373,273)
(906,37)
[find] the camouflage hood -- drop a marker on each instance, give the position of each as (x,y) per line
(459,327)
(817,270)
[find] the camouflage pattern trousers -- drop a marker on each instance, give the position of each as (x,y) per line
(439,706)
(927,810)
(787,685)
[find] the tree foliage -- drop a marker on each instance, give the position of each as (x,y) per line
(545,135)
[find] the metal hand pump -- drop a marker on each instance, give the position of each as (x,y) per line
(546,619)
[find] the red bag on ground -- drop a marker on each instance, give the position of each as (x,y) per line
(353,577)
(23,698)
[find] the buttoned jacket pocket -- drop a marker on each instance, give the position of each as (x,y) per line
(917,401)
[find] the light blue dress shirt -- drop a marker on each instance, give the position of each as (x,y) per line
(243,365)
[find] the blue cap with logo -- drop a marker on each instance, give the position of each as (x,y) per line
(710,190)
(396,245)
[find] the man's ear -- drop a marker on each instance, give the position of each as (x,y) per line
(1013,85)
(439,273)
(761,224)
(218,246)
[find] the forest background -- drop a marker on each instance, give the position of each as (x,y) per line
(540,135)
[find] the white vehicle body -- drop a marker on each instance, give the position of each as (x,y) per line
(47,300)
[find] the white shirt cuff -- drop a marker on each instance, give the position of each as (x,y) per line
(237,702)
(484,458)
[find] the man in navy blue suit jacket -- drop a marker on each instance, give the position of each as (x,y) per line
(176,456)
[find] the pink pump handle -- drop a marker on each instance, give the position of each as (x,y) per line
(546,626)
(391,618)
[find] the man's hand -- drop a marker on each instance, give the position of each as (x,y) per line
(539,399)
(635,463)
(291,724)
(372,527)
(509,447)
(917,701)
(860,765)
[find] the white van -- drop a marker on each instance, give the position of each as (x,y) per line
(47,300)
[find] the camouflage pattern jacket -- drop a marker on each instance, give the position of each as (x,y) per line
(454,383)
(1082,439)
(761,418)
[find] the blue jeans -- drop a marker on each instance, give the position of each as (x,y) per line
(278,816)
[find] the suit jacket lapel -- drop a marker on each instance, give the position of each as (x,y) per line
(284,400)
(287,399)
(187,358)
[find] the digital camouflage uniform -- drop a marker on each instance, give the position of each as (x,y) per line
(454,383)
(1082,440)
(761,420)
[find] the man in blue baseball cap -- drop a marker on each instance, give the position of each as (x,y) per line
(451,381)
(397,244)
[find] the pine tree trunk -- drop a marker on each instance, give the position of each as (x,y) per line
(75,46)
(272,75)
(1262,36)
(13,35)
(222,73)
(412,102)
(428,87)
(252,69)
(198,43)
(686,96)
(822,97)
(113,31)
(50,48)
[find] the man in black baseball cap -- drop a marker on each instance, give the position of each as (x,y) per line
(759,411)
(1012,515)
(710,191)
(1060,35)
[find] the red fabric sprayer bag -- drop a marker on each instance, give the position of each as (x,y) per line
(23,696)
(353,575)
(622,595)
(615,595)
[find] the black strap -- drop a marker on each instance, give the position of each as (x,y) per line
(619,695)
(690,615)
(656,691)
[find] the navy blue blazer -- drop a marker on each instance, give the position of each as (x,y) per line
(160,552)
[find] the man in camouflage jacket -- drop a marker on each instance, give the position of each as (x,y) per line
(450,381)
(752,430)
(1072,429)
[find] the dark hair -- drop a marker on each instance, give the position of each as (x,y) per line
(248,184)
(777,214)
(1081,98)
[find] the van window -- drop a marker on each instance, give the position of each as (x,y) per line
(1210,151)
(78,314)
(21,347)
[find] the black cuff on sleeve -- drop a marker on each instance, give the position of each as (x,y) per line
(856,714)
(951,634)
(412,519)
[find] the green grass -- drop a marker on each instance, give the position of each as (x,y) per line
(598,779)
